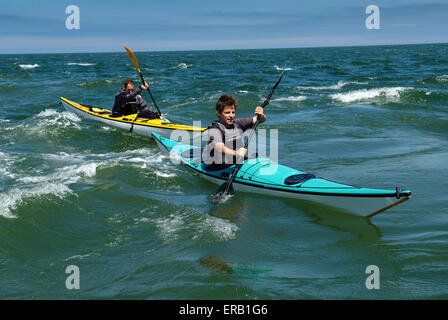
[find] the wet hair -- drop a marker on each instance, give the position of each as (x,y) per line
(128,81)
(224,101)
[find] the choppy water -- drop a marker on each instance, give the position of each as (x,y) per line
(75,192)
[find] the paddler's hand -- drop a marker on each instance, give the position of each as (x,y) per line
(259,111)
(241,152)
(144,86)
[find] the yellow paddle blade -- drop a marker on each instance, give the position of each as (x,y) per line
(133,58)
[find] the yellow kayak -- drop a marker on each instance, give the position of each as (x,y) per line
(140,126)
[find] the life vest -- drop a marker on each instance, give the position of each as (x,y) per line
(234,142)
(123,106)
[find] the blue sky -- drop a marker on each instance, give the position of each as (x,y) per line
(105,26)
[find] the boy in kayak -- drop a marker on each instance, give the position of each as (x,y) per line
(128,101)
(225,135)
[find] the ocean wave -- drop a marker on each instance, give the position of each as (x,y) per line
(60,170)
(54,177)
(16,196)
(333,69)
(29,66)
(438,79)
(52,113)
(442,78)
(170,226)
(96,83)
(222,230)
(365,95)
(83,64)
(337,86)
(291,98)
(53,117)
(56,183)
(7,164)
(183,66)
(423,96)
(88,166)
(192,101)
(144,158)
(65,175)
(49,122)
(164,174)
(282,69)
(4,172)
(196,226)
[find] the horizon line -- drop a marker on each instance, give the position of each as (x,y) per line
(240,49)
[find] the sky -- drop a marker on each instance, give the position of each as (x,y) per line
(28,26)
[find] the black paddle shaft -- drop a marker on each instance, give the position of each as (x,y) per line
(150,94)
(238,166)
(152,98)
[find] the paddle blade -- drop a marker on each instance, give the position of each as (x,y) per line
(224,192)
(133,58)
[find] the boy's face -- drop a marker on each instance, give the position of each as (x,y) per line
(227,115)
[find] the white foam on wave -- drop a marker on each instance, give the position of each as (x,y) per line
(14,197)
(83,64)
(369,94)
(183,66)
(7,163)
(82,256)
(223,230)
(170,227)
(203,226)
(142,155)
(53,117)
(54,183)
(47,119)
(337,86)
(282,69)
(69,169)
(4,172)
(164,174)
(442,78)
(291,98)
(29,66)
(48,113)
(66,175)
(147,159)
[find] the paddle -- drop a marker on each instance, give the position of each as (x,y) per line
(135,62)
(226,189)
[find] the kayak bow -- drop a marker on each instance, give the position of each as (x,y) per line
(289,183)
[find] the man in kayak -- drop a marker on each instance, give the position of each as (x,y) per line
(225,144)
(129,101)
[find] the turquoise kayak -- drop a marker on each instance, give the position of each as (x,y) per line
(264,176)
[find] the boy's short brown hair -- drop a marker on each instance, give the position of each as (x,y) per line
(224,101)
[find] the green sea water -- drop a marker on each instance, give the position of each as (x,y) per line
(77,192)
